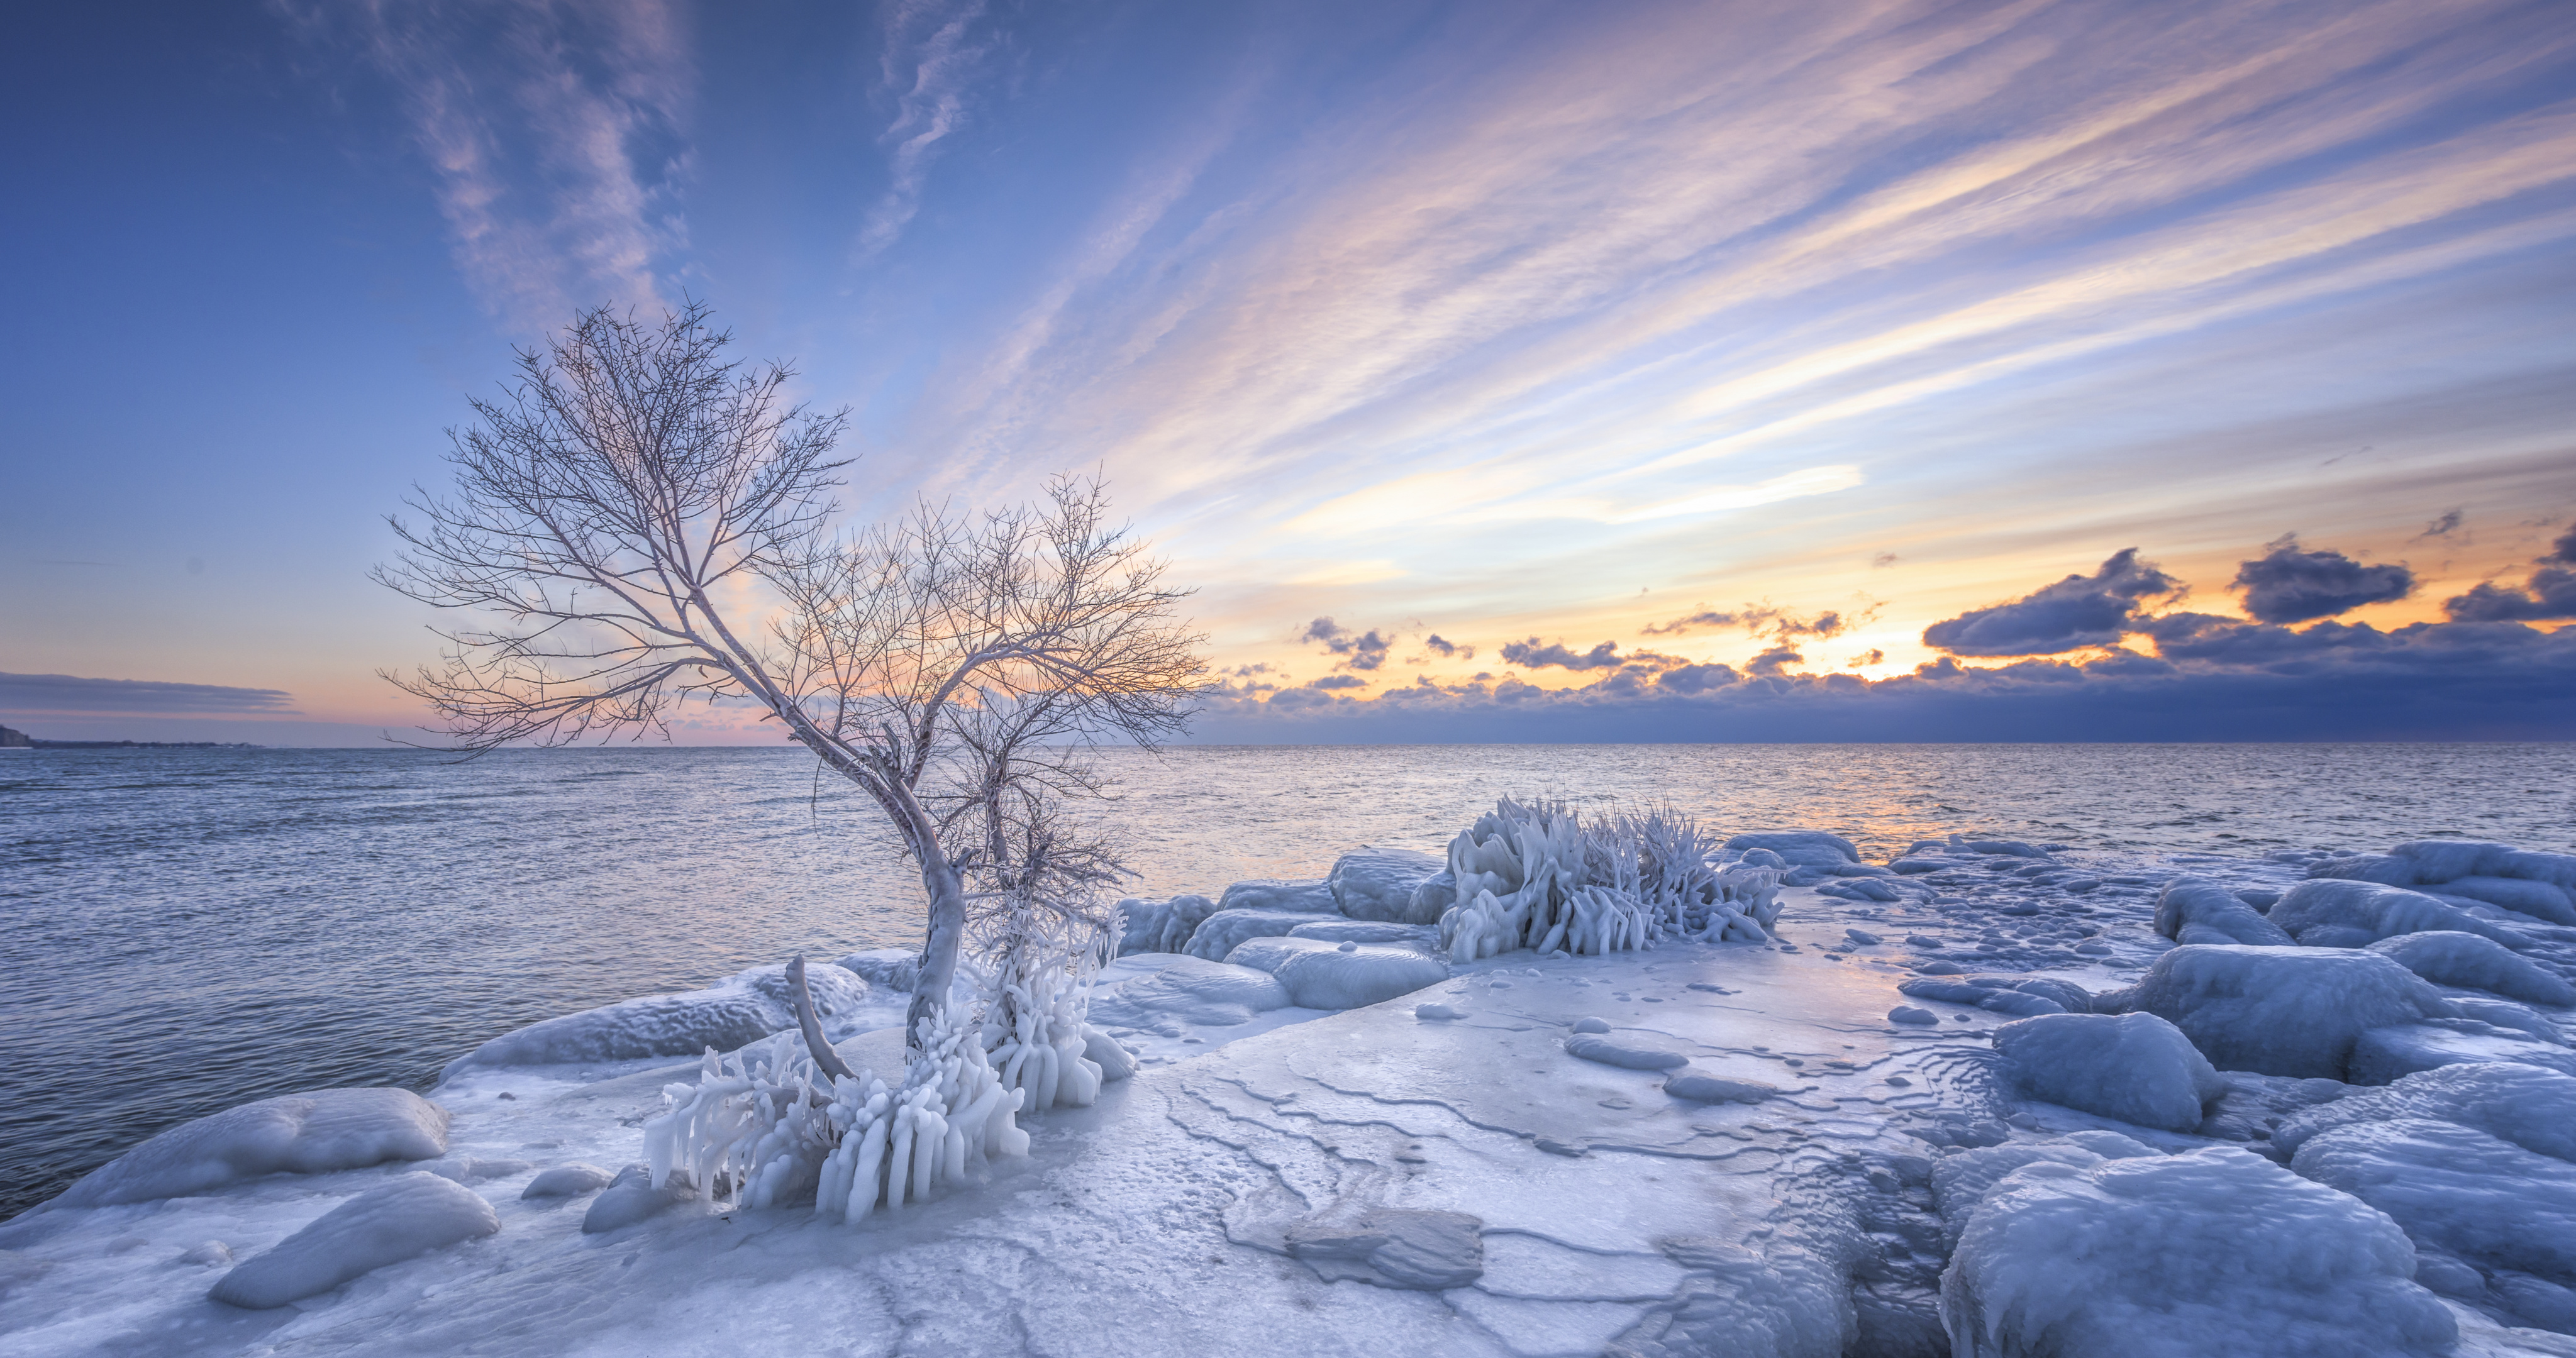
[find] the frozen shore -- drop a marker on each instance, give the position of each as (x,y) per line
(1735,1147)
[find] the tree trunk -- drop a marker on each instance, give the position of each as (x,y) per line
(947,934)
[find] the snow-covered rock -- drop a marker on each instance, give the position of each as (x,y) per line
(1701,1086)
(1325,975)
(1798,848)
(2474,963)
(2212,915)
(2349,914)
(567,1181)
(1961,1182)
(2279,1011)
(1226,930)
(410,1216)
(2530,1107)
(894,970)
(311,1133)
(1161,926)
(2386,1054)
(1630,1051)
(1379,884)
(1191,991)
(2182,1256)
(1303,897)
(734,1013)
(631,1197)
(2542,885)
(1425,937)
(2135,1067)
(2458,1190)
(2021,996)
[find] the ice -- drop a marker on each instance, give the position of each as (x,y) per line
(1369,931)
(2190,903)
(2530,1107)
(2470,1196)
(1323,975)
(2542,885)
(631,1197)
(2021,996)
(1161,926)
(1300,897)
(1961,1182)
(1798,848)
(410,1216)
(893,970)
(2212,1251)
(567,1181)
(2474,963)
(739,1011)
(1380,884)
(1702,1086)
(2134,1068)
(2336,913)
(311,1133)
(1906,1013)
(2278,1011)
(1629,1051)
(1394,1247)
(2386,1054)
(1194,991)
(1220,933)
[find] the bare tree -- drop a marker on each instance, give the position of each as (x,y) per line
(649,523)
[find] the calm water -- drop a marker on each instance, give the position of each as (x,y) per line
(188,930)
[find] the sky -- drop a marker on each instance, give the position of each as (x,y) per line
(1492,371)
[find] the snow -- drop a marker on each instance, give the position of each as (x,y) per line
(310,1133)
(2210,1251)
(2474,963)
(2133,1068)
(1380,885)
(2278,1011)
(1318,974)
(1393,1247)
(412,1215)
(733,1013)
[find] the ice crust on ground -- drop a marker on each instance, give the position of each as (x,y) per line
(311,1133)
(1380,885)
(2209,1251)
(412,1215)
(734,1013)
(2134,1067)
(2278,1011)
(1319,974)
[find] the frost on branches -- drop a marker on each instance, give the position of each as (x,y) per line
(1535,876)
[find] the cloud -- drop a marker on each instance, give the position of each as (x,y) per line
(1364,652)
(1448,649)
(1872,656)
(1771,663)
(1762,619)
(2288,585)
(2441,527)
(2076,612)
(1693,679)
(1326,631)
(933,53)
(1884,559)
(555,132)
(1531,655)
(1336,681)
(65,694)
(2549,593)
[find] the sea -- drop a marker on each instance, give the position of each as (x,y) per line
(190,929)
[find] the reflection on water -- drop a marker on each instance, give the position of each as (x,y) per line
(190,929)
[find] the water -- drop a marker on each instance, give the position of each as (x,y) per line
(192,929)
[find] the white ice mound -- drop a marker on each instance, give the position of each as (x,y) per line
(1224,931)
(312,1133)
(2218,1251)
(2021,996)
(1799,848)
(1161,926)
(2532,1108)
(2474,963)
(1702,1086)
(1424,937)
(1318,974)
(2212,914)
(567,1181)
(2344,914)
(2277,1011)
(2542,885)
(735,1013)
(1379,884)
(1193,991)
(631,1197)
(412,1215)
(2136,1067)
(2460,1191)
(889,969)
(1302,897)
(1961,1182)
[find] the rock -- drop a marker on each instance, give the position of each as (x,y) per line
(2213,915)
(1391,1247)
(1434,896)
(1906,1013)
(2333,913)
(1626,1050)
(470,1171)
(1161,926)
(1863,937)
(567,1181)
(631,1197)
(319,1132)
(1379,884)
(893,970)
(2135,1068)
(1589,1025)
(1322,975)
(410,1216)
(1426,938)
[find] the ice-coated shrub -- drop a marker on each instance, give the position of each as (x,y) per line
(1534,876)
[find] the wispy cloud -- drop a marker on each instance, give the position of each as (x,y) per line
(67,694)
(933,51)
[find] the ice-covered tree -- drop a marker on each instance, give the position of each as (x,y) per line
(643,521)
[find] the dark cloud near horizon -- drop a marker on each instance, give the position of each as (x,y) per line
(68,694)
(1772,662)
(1335,681)
(2076,612)
(2549,594)
(2288,585)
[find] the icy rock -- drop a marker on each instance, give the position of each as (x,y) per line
(895,970)
(1102,1050)
(2278,1011)
(1961,1182)
(1862,889)
(1323,975)
(567,1181)
(410,1216)
(1863,937)
(2474,963)
(2540,900)
(1906,1013)
(2383,1055)
(2191,901)
(734,1013)
(1438,1013)
(1224,931)
(2456,1189)
(2012,847)
(2528,1106)
(2326,912)
(631,1197)
(1426,937)
(1434,895)
(466,1170)
(1191,990)
(1300,897)
(211,1254)
(2023,996)
(2135,1067)
(2213,1251)
(1798,848)
(1161,926)
(1631,1051)
(2521,1018)
(318,1132)
(1393,1247)
(1700,1086)
(1379,884)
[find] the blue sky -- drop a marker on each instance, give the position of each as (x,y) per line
(1752,342)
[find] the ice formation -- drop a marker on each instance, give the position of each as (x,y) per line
(2194,911)
(633,1196)
(730,1014)
(412,1215)
(1222,932)
(311,1133)
(1319,974)
(2334,913)
(2181,1256)
(2279,1011)
(2475,963)
(2541,885)
(1194,991)
(1534,877)
(1039,1038)
(1296,897)
(1381,884)
(1161,926)
(567,1181)
(1394,1247)
(2136,1067)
